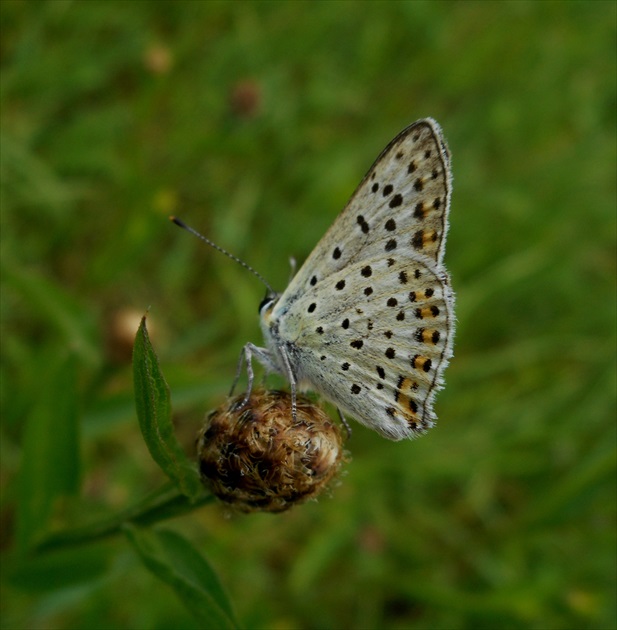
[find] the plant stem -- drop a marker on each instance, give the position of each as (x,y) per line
(164,503)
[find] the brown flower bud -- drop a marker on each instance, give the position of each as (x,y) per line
(120,326)
(256,457)
(245,98)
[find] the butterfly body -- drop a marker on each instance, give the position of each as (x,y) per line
(368,320)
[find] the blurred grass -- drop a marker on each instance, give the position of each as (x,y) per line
(255,122)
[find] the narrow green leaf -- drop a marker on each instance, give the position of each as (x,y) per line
(50,467)
(154,413)
(173,560)
(195,568)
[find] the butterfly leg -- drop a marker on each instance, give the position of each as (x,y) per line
(263,356)
(292,380)
(344,422)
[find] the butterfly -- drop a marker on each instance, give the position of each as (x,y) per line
(368,320)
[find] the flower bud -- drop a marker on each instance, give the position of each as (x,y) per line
(255,457)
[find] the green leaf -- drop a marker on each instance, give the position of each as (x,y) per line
(173,560)
(154,412)
(51,467)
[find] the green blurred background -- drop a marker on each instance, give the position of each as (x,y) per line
(254,122)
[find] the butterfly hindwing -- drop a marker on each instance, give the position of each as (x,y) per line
(379,348)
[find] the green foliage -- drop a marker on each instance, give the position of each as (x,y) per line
(51,467)
(154,414)
(176,562)
(254,122)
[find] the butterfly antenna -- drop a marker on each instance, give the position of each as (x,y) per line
(188,228)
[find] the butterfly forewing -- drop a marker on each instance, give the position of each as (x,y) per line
(403,201)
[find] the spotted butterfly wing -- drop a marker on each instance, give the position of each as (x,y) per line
(368,319)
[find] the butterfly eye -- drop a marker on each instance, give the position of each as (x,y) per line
(268,300)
